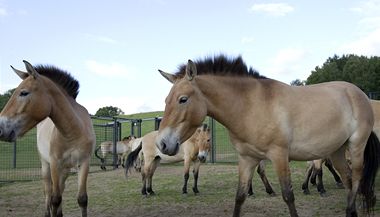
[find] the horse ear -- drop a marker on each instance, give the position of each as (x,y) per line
(171,78)
(20,73)
(191,70)
(30,69)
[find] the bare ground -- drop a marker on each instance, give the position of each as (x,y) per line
(111,194)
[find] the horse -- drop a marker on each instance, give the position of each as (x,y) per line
(195,150)
(268,119)
(65,136)
(315,167)
(123,147)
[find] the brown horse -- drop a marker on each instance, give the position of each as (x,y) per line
(315,167)
(267,119)
(65,136)
(195,150)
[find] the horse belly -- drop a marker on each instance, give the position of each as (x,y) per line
(316,148)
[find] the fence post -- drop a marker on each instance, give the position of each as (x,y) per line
(213,138)
(139,127)
(157,121)
(14,154)
(114,151)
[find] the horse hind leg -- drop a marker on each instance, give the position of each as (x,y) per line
(305,184)
(264,179)
(339,161)
(337,179)
(319,173)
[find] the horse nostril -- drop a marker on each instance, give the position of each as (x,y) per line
(163,146)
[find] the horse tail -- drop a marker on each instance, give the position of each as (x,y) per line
(371,165)
(132,157)
(97,155)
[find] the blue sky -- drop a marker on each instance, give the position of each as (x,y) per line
(115,47)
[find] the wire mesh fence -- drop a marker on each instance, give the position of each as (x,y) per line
(20,160)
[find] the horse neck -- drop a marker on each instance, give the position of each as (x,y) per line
(226,97)
(64,114)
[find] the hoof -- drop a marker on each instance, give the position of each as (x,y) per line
(306,191)
(195,190)
(323,194)
(340,185)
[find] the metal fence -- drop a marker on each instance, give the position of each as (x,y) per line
(20,160)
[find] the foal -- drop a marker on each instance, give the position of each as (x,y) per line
(195,150)
(65,135)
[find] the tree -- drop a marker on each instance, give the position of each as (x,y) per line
(5,97)
(297,82)
(362,71)
(109,111)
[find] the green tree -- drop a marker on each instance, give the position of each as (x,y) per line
(109,111)
(362,71)
(297,82)
(5,97)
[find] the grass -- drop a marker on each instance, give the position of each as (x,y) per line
(111,194)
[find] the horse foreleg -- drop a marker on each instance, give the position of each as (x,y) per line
(103,161)
(246,166)
(82,186)
(45,170)
(264,179)
(196,166)
(281,166)
(186,165)
(305,184)
(329,166)
(56,197)
(152,169)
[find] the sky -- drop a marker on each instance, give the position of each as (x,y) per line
(114,48)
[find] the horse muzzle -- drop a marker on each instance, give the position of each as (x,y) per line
(168,149)
(7,133)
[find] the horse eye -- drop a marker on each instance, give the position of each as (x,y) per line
(183,100)
(24,93)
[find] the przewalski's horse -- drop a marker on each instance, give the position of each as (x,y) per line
(195,150)
(315,167)
(268,119)
(123,147)
(65,136)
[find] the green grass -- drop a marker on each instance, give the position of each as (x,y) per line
(111,194)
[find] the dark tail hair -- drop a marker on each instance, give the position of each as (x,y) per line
(371,165)
(132,157)
(96,154)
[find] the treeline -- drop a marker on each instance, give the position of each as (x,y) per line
(362,71)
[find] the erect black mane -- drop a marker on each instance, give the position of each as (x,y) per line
(61,78)
(223,66)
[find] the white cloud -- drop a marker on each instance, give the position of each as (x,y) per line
(287,65)
(367,8)
(367,45)
(109,70)
(273,9)
(101,38)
